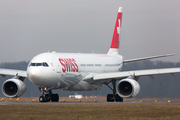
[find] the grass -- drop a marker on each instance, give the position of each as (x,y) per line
(90,111)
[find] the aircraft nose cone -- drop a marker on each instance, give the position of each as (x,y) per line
(34,75)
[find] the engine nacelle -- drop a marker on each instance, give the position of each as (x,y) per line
(127,88)
(13,88)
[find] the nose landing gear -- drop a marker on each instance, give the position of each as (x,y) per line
(47,96)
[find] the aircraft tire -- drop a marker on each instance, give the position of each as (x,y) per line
(54,98)
(47,97)
(118,98)
(42,99)
(110,98)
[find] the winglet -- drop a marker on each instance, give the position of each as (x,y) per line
(114,48)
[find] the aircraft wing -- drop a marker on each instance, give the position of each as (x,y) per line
(13,72)
(106,77)
(147,58)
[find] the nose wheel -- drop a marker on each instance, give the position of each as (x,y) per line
(47,96)
(43,99)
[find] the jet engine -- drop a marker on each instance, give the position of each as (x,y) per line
(127,88)
(13,88)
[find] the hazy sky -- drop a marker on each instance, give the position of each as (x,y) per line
(27,28)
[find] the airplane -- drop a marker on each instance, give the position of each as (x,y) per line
(81,72)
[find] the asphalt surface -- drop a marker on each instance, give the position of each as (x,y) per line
(22,102)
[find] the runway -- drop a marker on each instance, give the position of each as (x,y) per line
(49,103)
(97,100)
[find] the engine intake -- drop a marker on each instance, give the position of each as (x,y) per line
(13,88)
(127,88)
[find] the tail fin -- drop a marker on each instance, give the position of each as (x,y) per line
(115,40)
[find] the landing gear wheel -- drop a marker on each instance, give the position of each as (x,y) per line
(118,98)
(54,98)
(47,96)
(42,99)
(110,98)
(113,97)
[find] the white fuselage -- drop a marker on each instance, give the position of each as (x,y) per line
(66,71)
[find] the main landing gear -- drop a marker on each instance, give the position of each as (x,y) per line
(48,97)
(114,97)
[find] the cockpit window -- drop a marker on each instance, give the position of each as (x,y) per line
(38,64)
(44,64)
(33,64)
